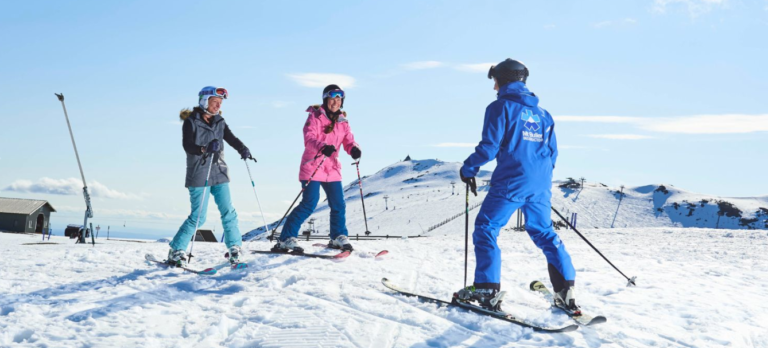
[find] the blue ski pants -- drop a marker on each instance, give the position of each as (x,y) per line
(494,214)
(335,193)
(228,216)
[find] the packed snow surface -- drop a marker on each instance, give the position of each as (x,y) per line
(701,286)
(696,288)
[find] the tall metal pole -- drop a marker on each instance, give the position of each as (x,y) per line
(88,209)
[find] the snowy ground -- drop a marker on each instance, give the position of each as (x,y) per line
(696,288)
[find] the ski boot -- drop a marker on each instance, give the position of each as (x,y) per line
(288,245)
(234,254)
(566,299)
(176,258)
(489,299)
(341,242)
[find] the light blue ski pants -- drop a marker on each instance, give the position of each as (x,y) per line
(228,216)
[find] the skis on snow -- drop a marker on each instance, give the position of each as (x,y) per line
(363,253)
(339,256)
(579,316)
(470,307)
(208,271)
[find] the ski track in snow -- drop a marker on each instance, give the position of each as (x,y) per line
(696,288)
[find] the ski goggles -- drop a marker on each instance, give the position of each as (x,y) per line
(215,92)
(336,93)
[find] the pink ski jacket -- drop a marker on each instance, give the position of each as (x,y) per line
(314,140)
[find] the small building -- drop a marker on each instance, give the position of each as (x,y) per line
(24,215)
(205,236)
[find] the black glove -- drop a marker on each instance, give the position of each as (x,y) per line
(328,150)
(245,153)
(356,153)
(469,181)
(213,146)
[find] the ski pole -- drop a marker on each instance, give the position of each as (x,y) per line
(303,187)
(362,199)
(266,227)
(88,208)
(466,236)
(630,281)
(202,201)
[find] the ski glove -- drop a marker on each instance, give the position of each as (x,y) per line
(328,150)
(245,153)
(213,146)
(356,153)
(469,181)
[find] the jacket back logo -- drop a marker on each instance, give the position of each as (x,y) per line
(531,120)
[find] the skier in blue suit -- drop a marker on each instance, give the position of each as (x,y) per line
(520,135)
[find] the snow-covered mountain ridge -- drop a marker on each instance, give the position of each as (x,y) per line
(409,197)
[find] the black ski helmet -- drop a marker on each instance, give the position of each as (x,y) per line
(332,88)
(509,70)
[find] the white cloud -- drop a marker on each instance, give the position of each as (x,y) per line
(277,104)
(602,24)
(710,124)
(71,187)
(620,136)
(322,80)
(600,119)
(625,21)
(429,64)
(579,147)
(129,213)
(550,26)
(455,145)
(694,7)
(479,67)
(697,124)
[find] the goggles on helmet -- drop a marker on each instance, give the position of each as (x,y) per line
(336,93)
(217,92)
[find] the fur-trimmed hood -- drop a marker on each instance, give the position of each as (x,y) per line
(185,113)
(317,111)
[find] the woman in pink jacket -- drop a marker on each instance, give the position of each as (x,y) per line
(325,131)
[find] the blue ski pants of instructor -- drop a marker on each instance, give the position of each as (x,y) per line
(494,214)
(223,200)
(309,199)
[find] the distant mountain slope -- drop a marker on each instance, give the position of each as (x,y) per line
(408,197)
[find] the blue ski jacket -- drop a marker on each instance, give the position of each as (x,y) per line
(521,137)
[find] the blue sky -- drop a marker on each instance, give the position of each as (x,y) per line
(642,92)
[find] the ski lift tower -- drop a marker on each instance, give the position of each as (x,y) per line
(453,187)
(312,225)
(386,207)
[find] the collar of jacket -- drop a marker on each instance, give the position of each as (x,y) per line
(518,92)
(198,115)
(317,111)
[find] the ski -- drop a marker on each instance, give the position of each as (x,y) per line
(578,316)
(493,314)
(338,256)
(207,271)
(362,253)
